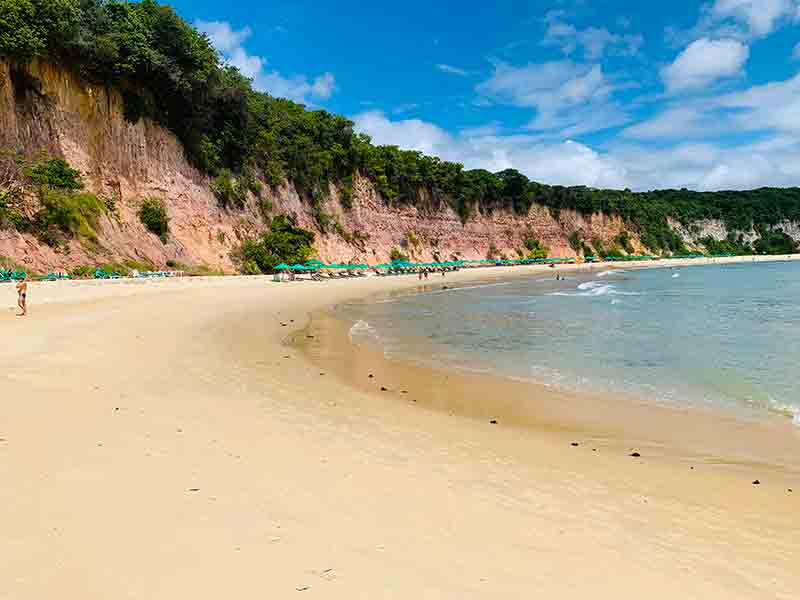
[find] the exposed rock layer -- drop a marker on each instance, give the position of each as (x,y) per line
(47,108)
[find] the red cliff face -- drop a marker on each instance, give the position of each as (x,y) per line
(46,108)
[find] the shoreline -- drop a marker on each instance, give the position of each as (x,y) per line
(716,436)
(162,441)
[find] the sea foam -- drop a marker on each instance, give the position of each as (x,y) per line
(595,288)
(363,330)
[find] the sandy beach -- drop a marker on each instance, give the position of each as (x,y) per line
(187,439)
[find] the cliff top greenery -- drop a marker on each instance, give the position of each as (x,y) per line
(168,71)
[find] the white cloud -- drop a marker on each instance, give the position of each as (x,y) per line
(229,42)
(772,108)
(760,16)
(743,20)
(565,163)
(713,167)
(222,35)
(569,98)
(704,62)
(410,134)
(452,70)
(674,122)
(595,41)
(701,166)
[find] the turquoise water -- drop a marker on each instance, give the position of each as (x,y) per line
(715,336)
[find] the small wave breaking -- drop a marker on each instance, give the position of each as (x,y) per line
(595,288)
(362,330)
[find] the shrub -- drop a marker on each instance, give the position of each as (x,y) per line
(265,207)
(599,248)
(54,173)
(395,255)
(775,242)
(727,246)
(283,242)
(535,249)
(83,271)
(65,214)
(10,216)
(228,190)
(575,241)
(624,240)
(153,215)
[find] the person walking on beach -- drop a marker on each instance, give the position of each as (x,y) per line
(22,291)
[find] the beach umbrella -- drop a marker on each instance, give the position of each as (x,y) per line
(282,266)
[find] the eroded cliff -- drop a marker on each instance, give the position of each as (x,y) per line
(44,108)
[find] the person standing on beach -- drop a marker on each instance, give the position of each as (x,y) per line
(22,291)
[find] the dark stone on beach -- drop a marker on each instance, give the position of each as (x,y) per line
(310,337)
(371,376)
(322,373)
(383,389)
(594,449)
(493,422)
(403,391)
(790,490)
(287,357)
(116,408)
(636,455)
(194,489)
(691,468)
(283,324)
(575,444)
(291,320)
(756,482)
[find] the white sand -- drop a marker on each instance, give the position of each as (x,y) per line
(156,444)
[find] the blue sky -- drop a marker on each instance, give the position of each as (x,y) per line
(607,93)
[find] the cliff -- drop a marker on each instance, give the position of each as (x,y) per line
(44,108)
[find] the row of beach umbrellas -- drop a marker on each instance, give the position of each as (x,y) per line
(316,265)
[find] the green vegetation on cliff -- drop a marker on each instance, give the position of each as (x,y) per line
(153,215)
(284,242)
(64,210)
(168,71)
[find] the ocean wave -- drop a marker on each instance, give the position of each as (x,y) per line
(595,288)
(364,331)
(611,272)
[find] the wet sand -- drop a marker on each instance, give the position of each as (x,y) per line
(165,440)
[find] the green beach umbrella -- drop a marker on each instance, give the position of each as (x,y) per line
(283,266)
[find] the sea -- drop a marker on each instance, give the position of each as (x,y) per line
(717,336)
